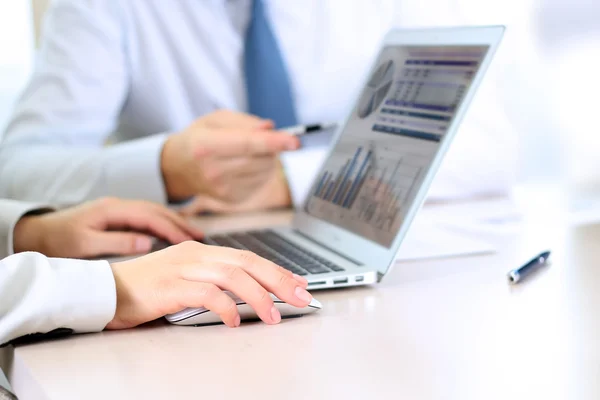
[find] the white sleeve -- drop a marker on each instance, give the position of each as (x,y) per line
(53,151)
(10,213)
(40,294)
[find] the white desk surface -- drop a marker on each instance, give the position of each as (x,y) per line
(438,329)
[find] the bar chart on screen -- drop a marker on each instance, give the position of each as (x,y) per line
(375,194)
(368,187)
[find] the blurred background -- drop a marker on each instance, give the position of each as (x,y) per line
(550,87)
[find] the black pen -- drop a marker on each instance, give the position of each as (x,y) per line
(299,130)
(517,274)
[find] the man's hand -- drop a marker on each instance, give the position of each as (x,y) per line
(102,227)
(226,156)
(194,275)
(273,193)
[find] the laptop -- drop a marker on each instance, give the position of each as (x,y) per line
(382,160)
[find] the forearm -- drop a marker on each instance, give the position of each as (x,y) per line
(64,175)
(39,295)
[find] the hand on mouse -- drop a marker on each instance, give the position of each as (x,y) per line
(192,274)
(92,229)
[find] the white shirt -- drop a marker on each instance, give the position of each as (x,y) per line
(40,294)
(138,70)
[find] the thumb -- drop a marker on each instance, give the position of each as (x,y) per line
(117,243)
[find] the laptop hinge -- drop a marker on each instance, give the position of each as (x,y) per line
(327,247)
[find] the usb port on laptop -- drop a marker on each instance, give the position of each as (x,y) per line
(340,281)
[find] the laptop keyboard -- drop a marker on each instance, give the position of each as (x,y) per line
(278,249)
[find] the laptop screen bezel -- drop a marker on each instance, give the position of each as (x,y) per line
(352,245)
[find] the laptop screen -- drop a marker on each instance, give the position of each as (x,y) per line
(377,166)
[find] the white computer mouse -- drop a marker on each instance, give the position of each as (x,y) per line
(203,316)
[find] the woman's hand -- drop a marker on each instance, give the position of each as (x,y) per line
(103,227)
(192,274)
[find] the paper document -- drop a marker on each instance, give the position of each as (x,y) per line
(487,217)
(426,241)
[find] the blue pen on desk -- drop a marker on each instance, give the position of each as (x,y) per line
(516,275)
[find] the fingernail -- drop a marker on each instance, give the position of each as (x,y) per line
(303,295)
(143,244)
(238,321)
(300,279)
(275,315)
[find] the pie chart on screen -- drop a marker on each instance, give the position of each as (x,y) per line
(377,88)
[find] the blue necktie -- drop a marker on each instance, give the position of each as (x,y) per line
(267,82)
